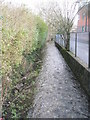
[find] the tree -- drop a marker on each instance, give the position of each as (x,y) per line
(59,19)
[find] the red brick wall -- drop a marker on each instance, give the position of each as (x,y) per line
(82,21)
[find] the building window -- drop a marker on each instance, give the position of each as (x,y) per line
(83,15)
(82,28)
(78,17)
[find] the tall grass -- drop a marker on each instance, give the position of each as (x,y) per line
(23,36)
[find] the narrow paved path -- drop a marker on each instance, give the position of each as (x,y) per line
(59,95)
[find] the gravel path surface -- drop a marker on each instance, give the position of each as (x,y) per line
(59,95)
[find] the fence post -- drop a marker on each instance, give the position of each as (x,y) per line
(89,52)
(75,44)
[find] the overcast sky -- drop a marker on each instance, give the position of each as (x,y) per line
(34,4)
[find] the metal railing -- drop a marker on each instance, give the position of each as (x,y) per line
(59,40)
(80,46)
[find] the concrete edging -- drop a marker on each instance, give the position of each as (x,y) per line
(80,71)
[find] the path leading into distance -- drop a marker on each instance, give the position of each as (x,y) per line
(59,94)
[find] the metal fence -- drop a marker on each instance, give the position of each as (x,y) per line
(79,45)
(59,40)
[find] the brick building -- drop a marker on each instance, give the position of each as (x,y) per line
(84,18)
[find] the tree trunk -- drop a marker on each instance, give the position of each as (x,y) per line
(67,41)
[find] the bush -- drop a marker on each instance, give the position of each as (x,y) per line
(23,36)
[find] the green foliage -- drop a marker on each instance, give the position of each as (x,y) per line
(40,34)
(23,36)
